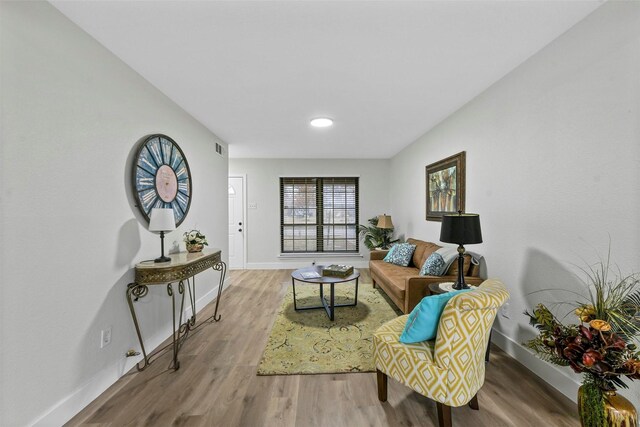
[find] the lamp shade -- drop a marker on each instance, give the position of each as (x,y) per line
(463,228)
(384,221)
(162,219)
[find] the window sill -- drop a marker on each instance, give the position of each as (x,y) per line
(321,255)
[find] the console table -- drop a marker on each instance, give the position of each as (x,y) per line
(183,267)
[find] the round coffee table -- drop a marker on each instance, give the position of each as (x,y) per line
(329,306)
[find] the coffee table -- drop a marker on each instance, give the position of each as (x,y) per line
(330,305)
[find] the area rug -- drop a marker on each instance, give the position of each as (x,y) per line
(307,342)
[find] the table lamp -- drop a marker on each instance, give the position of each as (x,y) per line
(463,229)
(162,220)
(384,222)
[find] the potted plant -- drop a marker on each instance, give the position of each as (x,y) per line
(374,237)
(601,345)
(195,240)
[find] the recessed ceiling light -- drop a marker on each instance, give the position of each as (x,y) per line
(321,122)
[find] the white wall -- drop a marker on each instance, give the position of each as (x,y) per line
(553,169)
(263,224)
(71,116)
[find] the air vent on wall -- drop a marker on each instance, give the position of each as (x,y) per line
(219,149)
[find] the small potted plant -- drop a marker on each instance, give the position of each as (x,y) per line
(601,345)
(195,240)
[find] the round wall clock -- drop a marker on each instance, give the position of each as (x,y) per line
(161,177)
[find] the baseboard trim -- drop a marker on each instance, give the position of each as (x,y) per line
(288,265)
(65,409)
(557,378)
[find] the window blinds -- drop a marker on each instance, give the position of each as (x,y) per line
(319,214)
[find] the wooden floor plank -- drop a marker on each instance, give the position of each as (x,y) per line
(217,384)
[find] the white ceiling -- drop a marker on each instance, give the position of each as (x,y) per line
(255,73)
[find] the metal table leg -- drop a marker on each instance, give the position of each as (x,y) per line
(191,287)
(332,303)
(293,283)
(176,335)
(222,268)
(138,291)
(329,306)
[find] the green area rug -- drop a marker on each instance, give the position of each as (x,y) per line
(307,342)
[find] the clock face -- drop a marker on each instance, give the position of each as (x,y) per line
(161,177)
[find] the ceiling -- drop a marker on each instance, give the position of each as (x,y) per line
(255,73)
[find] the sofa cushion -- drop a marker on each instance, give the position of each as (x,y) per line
(400,254)
(422,323)
(422,252)
(392,277)
(433,266)
(418,253)
(453,268)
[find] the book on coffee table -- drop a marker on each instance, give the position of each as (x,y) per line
(336,270)
(310,275)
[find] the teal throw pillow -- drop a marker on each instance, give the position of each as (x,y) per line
(387,257)
(400,254)
(433,266)
(422,324)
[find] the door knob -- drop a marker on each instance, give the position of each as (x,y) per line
(239,229)
(240,223)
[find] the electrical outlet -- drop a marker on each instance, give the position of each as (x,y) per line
(105,337)
(504,310)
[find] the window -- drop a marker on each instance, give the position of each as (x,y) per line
(319,215)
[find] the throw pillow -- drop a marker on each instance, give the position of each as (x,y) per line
(400,254)
(433,266)
(389,254)
(422,323)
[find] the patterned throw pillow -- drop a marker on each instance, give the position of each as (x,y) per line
(389,255)
(422,323)
(433,266)
(400,254)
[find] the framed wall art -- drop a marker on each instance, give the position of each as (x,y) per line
(445,186)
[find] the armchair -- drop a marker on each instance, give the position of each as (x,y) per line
(449,370)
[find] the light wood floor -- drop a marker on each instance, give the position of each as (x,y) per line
(217,385)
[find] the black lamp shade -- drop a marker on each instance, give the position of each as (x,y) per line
(461,229)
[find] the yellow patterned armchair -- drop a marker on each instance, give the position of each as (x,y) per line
(449,370)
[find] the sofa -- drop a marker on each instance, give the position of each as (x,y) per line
(404,285)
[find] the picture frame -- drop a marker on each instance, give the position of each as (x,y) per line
(445,186)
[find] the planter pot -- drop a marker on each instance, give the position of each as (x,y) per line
(618,411)
(194,247)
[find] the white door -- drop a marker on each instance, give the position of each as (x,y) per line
(236,222)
